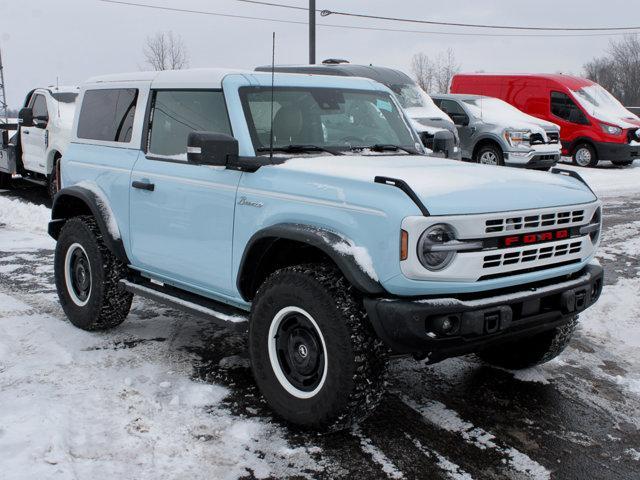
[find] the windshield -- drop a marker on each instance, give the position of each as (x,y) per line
(324,117)
(601,104)
(417,103)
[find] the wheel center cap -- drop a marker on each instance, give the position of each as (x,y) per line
(303,351)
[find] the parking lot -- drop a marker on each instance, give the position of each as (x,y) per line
(169,395)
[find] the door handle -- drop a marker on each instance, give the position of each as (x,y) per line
(143,185)
(26,132)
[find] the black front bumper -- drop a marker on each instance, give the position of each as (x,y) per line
(418,326)
(617,152)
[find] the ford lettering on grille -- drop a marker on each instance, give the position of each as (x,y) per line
(532,238)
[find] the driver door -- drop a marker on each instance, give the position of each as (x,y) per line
(462,121)
(35,139)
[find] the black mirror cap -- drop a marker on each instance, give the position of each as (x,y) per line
(208,148)
(444,141)
(25,117)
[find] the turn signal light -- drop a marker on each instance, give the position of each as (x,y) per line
(404,245)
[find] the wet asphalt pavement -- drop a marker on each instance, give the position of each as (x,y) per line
(457,419)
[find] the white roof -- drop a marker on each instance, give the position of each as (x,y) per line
(211,77)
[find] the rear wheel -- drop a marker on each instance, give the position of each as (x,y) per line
(489,155)
(87,277)
(314,354)
(531,351)
(584,155)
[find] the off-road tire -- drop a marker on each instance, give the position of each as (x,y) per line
(5,180)
(108,304)
(489,149)
(585,146)
(532,351)
(53,178)
(356,358)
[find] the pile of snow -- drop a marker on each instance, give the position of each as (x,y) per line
(26,217)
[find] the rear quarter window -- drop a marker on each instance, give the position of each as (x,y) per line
(107,115)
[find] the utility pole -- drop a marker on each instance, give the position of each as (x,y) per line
(4,108)
(312,32)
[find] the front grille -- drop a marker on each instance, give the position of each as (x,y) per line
(546,220)
(554,137)
(544,157)
(531,255)
(536,139)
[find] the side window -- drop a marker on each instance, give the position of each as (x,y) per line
(176,113)
(108,114)
(39,106)
(562,106)
(449,106)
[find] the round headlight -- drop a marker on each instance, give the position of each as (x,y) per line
(429,254)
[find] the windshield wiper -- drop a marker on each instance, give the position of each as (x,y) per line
(299,148)
(387,147)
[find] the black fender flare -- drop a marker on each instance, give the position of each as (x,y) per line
(577,141)
(72,201)
(320,238)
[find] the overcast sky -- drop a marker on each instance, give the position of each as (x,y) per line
(77,39)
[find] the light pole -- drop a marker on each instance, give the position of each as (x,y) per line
(312,31)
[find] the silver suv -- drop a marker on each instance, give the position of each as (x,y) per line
(494,132)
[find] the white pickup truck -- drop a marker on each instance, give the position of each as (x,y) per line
(43,129)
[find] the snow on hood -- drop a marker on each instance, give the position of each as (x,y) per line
(422,113)
(450,187)
(600,104)
(498,112)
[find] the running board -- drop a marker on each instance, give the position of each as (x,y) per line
(190,303)
(42,183)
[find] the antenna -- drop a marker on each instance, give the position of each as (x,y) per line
(273,69)
(4,108)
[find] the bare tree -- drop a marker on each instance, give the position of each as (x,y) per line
(619,69)
(434,76)
(166,51)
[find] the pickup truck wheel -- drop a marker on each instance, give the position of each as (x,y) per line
(315,357)
(533,351)
(584,155)
(489,155)
(87,276)
(5,180)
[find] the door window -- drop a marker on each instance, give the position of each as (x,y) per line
(562,106)
(451,107)
(39,107)
(108,114)
(176,113)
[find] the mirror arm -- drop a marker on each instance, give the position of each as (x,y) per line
(252,164)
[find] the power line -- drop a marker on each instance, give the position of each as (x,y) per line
(357,27)
(326,13)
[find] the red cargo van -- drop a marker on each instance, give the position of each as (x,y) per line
(593,124)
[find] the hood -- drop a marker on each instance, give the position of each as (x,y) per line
(450,187)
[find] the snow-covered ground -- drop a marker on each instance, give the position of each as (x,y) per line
(166,395)
(609,180)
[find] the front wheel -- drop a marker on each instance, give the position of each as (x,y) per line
(531,351)
(313,352)
(489,155)
(584,155)
(87,277)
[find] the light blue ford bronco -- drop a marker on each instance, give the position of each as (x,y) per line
(306,205)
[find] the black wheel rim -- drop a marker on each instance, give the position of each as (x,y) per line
(300,352)
(80,274)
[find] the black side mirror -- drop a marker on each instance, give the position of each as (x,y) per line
(25,117)
(460,119)
(443,141)
(208,148)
